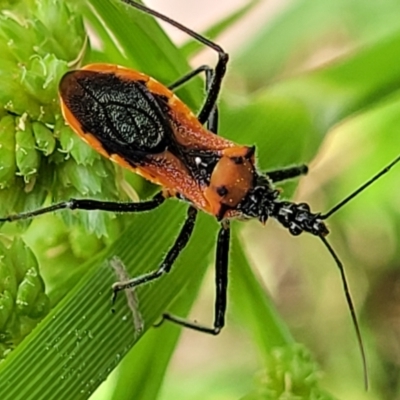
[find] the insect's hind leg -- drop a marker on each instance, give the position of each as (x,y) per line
(190,75)
(280,175)
(218,72)
(221,284)
(88,204)
(212,121)
(180,243)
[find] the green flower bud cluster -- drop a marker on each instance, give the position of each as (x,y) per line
(39,40)
(23,301)
(40,157)
(290,374)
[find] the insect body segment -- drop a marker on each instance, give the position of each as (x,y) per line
(139,123)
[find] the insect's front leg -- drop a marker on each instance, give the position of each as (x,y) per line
(280,175)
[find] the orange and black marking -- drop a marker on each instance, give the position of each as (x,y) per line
(137,122)
(140,124)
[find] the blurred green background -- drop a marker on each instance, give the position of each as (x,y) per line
(309,82)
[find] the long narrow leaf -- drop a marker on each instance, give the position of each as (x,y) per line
(81,341)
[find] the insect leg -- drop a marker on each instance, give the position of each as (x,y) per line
(166,265)
(221,281)
(189,76)
(214,87)
(213,116)
(88,204)
(217,74)
(287,173)
(212,121)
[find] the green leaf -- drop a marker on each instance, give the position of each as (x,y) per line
(256,310)
(81,341)
(307,30)
(192,47)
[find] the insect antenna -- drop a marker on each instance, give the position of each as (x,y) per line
(360,189)
(350,304)
(340,265)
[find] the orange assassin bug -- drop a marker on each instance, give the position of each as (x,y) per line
(137,122)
